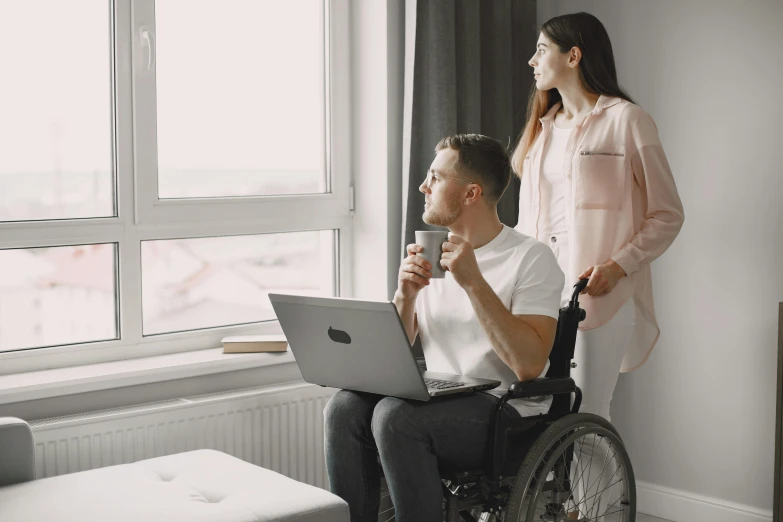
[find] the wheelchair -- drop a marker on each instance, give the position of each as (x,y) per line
(550,484)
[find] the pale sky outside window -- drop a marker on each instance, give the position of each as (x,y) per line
(58,295)
(55,110)
(240,103)
(219,281)
(240,97)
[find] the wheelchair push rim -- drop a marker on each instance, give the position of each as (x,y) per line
(542,491)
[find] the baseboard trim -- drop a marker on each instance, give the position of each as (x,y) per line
(684,506)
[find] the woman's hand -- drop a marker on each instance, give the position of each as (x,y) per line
(603,278)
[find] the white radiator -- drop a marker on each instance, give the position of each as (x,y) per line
(276,427)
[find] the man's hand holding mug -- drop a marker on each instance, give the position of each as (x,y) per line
(422,263)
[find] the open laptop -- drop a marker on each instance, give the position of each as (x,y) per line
(362,346)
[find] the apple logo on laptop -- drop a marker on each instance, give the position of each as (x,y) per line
(339,336)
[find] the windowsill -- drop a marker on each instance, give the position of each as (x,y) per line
(95,377)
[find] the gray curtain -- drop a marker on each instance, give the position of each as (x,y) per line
(465,71)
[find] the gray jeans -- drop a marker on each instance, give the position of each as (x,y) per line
(415,441)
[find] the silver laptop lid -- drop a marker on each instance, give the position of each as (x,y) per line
(365,349)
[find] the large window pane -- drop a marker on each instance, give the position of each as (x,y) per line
(55,110)
(59,295)
(206,282)
(240,95)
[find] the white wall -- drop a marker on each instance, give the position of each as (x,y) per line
(699,416)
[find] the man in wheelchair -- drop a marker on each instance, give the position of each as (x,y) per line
(495,316)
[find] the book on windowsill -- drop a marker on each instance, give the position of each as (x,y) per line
(254,344)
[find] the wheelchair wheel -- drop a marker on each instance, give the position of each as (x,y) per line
(578,469)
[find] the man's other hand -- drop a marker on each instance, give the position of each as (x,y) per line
(459,259)
(414,273)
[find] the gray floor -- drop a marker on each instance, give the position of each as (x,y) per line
(387,510)
(641,517)
(648,518)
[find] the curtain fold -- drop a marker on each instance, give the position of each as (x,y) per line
(466,71)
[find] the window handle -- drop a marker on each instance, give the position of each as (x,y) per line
(147,39)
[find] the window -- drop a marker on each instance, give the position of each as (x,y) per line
(166,169)
(55,102)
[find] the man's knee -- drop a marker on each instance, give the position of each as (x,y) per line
(344,410)
(393,418)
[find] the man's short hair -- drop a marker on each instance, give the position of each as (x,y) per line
(483,159)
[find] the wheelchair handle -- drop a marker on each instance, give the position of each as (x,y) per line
(578,287)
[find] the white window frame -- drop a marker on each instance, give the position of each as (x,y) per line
(141,215)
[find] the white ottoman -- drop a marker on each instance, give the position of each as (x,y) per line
(195,486)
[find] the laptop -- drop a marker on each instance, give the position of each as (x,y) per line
(362,346)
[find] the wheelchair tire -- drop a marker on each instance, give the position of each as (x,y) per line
(552,448)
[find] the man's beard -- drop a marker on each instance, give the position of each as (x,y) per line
(446,214)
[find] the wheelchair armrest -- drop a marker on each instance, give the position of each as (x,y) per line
(541,386)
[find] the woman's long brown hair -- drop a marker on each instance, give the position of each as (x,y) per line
(596,69)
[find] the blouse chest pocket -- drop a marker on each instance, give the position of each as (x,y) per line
(599,181)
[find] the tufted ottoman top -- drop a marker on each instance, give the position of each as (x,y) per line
(195,486)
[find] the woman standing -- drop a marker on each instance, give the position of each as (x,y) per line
(597,188)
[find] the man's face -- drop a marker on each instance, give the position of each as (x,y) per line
(443,190)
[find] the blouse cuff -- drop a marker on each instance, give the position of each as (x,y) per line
(626,262)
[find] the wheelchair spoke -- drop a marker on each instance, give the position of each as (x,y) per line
(563,458)
(602,493)
(606,463)
(596,504)
(389,511)
(561,485)
(596,482)
(580,463)
(620,499)
(590,485)
(619,510)
(583,501)
(610,513)
(580,466)
(592,452)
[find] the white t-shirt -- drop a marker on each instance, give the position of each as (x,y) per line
(553,185)
(525,275)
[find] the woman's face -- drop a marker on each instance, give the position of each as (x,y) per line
(550,66)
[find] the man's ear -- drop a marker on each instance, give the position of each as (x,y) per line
(474,194)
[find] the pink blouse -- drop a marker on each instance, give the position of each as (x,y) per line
(622,204)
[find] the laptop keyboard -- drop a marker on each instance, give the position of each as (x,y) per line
(442,385)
